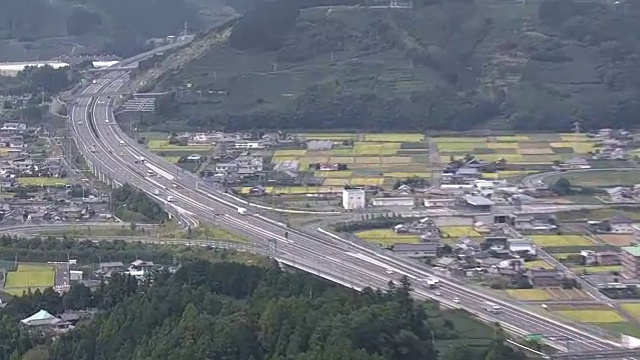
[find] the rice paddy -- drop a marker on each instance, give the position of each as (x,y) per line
(517,149)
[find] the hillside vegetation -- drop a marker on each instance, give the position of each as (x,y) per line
(31,29)
(230,311)
(445,64)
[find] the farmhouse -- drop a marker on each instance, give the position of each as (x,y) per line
(478,202)
(576,163)
(393,201)
(425,250)
(545,278)
(439,202)
(621,224)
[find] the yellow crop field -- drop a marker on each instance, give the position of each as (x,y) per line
(339,160)
(529,294)
(513,138)
(536,151)
(376,148)
(561,240)
(538,264)
(334,174)
(592,316)
(395,160)
(459,231)
(294,190)
(336,182)
(42,181)
(582,147)
(506,174)
(368,160)
(501,145)
(163,145)
(397,137)
(366,181)
(172,159)
(279,153)
(574,137)
(386,237)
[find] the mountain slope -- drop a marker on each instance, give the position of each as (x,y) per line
(442,65)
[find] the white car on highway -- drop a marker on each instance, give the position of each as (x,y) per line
(106,120)
(456,299)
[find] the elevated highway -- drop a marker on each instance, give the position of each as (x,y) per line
(340,260)
(111,94)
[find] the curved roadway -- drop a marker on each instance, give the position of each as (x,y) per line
(338,259)
(535,180)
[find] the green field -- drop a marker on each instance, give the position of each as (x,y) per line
(529,294)
(633,309)
(593,316)
(598,178)
(29,276)
(372,159)
(517,149)
(158,145)
(561,240)
(596,269)
(538,263)
(459,231)
(43,181)
(386,237)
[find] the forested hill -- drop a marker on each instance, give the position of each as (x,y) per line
(112,26)
(237,312)
(445,64)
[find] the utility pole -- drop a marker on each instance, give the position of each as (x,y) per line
(576,127)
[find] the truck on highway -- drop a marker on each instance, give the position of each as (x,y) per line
(140,160)
(169,198)
(242,211)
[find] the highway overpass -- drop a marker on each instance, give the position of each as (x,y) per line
(111,94)
(340,260)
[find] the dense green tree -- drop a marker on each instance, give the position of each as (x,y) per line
(132,204)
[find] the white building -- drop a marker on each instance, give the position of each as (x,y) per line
(393,201)
(353,199)
(12,127)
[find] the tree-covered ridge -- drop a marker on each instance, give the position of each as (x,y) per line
(445,64)
(122,25)
(231,311)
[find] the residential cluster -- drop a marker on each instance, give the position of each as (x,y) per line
(502,253)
